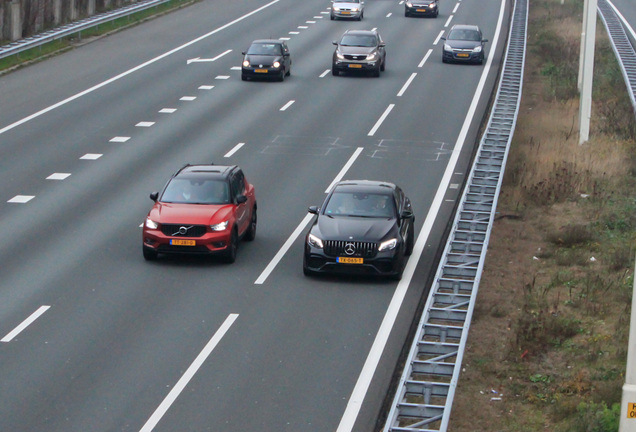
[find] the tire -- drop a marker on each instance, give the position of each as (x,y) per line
(332,18)
(383,64)
(281,76)
(444,60)
(243,78)
(289,71)
(334,71)
(230,254)
(150,254)
(406,14)
(250,234)
(376,72)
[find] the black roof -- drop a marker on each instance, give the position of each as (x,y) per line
(365,185)
(205,170)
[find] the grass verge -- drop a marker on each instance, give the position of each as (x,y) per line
(548,340)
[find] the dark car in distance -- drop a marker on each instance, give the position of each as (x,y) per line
(464,43)
(363,227)
(266,58)
(421,8)
(202,210)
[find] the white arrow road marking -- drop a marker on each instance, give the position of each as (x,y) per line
(200,60)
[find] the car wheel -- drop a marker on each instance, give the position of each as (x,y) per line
(383,63)
(334,71)
(289,70)
(230,253)
(243,78)
(406,13)
(376,72)
(251,231)
(444,60)
(150,254)
(281,76)
(332,18)
(436,13)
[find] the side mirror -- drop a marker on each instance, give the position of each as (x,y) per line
(406,214)
(243,52)
(334,42)
(442,38)
(313,210)
(241,199)
(382,44)
(484,40)
(154,196)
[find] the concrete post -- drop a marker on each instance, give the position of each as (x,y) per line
(39,15)
(585,107)
(628,403)
(91,7)
(73,13)
(16,20)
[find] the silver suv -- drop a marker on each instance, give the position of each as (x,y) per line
(359,51)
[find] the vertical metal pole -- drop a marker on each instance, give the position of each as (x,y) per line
(585,109)
(628,403)
(582,48)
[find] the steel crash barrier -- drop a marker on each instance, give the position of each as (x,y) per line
(75,27)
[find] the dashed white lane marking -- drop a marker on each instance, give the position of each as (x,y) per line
(284,38)
(439,36)
(145,124)
(287,105)
(21,199)
(35,315)
(206,87)
(448,21)
(119,139)
(455,8)
(380,120)
(234,150)
(187,98)
(299,229)
(189,374)
(428,54)
(167,110)
(310,22)
(294,32)
(389,14)
(318,17)
(222,77)
(58,176)
(406,84)
(91,156)
(235,68)
(322,75)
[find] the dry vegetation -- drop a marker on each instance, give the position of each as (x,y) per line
(547,345)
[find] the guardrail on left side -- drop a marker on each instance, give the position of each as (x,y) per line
(75,27)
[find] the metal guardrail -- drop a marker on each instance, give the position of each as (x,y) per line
(622,46)
(425,393)
(75,27)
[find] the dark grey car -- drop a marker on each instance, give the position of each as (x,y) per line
(359,51)
(464,43)
(266,58)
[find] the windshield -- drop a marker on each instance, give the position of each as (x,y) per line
(360,204)
(264,49)
(358,40)
(467,35)
(196,192)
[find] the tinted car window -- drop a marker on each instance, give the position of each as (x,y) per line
(264,49)
(360,204)
(355,40)
(196,192)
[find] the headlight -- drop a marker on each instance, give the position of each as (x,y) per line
(477,49)
(447,47)
(336,9)
(388,245)
(314,241)
(339,56)
(151,224)
(371,56)
(276,64)
(220,226)
(409,4)
(246,63)
(354,9)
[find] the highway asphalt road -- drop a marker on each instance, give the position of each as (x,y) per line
(96,339)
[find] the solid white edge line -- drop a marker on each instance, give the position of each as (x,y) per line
(428,54)
(136,68)
(380,120)
(27,322)
(406,84)
(189,373)
(370,365)
(234,150)
(299,229)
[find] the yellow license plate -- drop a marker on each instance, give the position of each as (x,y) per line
(260,70)
(348,260)
(462,55)
(346,12)
(178,242)
(355,66)
(420,10)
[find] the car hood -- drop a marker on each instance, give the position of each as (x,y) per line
(353,228)
(265,60)
(353,50)
(462,44)
(192,214)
